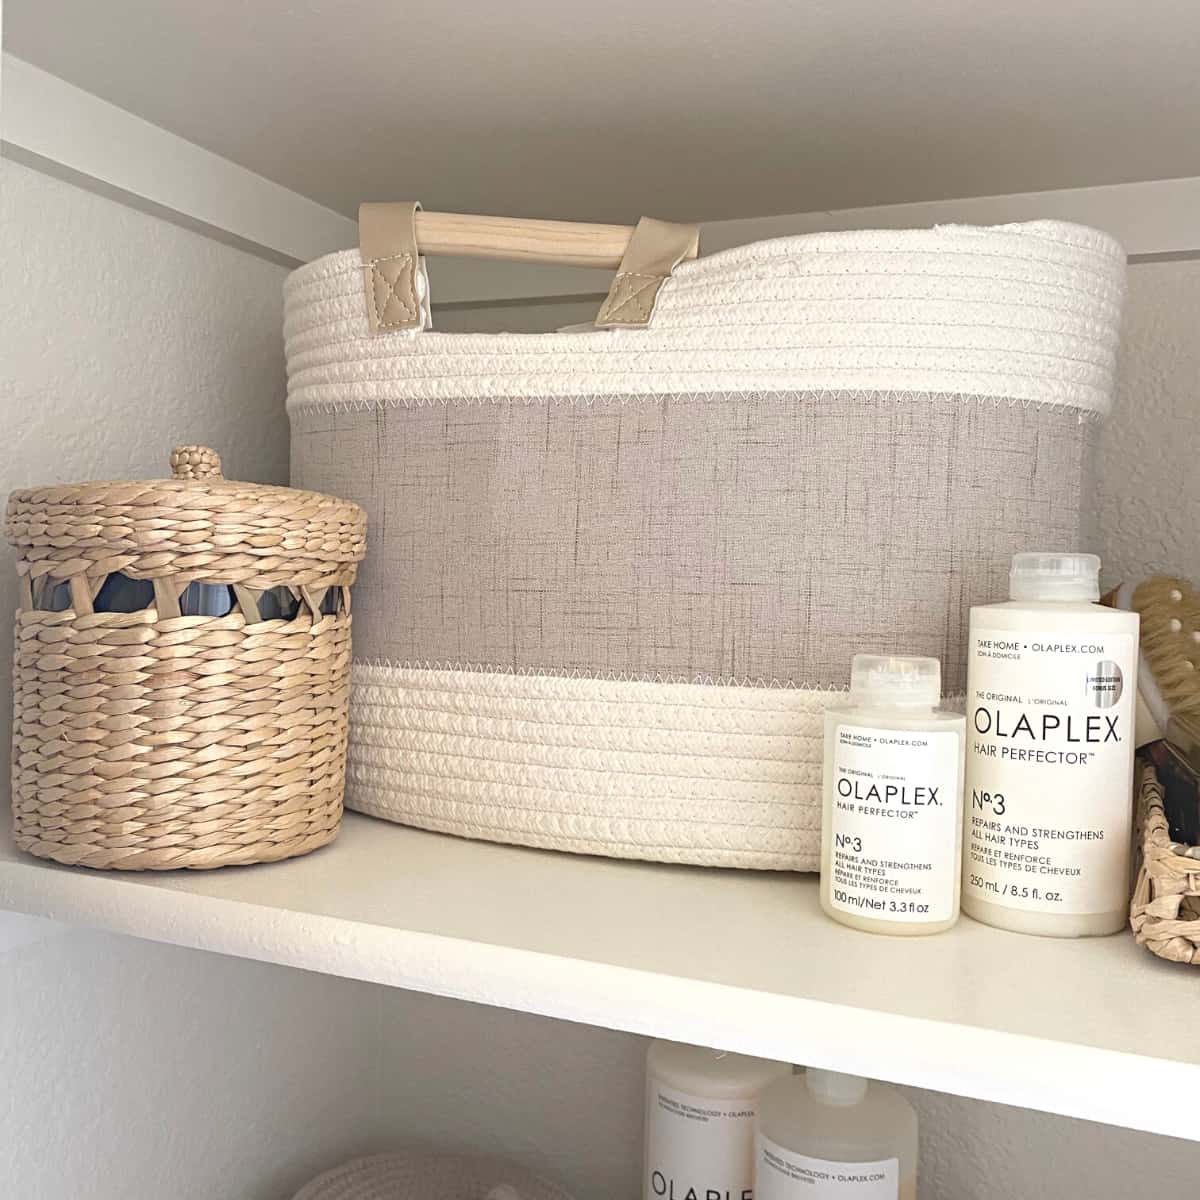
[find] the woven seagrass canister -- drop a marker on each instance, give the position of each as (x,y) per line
(181,669)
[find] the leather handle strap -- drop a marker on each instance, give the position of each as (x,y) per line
(387,243)
(393,236)
(654,251)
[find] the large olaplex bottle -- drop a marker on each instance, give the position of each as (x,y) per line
(700,1111)
(891,826)
(1051,683)
(827,1136)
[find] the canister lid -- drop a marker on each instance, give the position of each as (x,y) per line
(196,524)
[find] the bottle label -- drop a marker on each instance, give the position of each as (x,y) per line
(894,823)
(1049,769)
(697,1148)
(785,1175)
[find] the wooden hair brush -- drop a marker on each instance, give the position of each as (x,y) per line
(1168,704)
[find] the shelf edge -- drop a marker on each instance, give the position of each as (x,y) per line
(1071,1080)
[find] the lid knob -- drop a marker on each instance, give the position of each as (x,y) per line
(195,462)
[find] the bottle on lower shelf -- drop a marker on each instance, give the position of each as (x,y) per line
(700,1111)
(823,1135)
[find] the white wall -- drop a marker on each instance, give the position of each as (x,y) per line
(133,1071)
(1149,462)
(563,1099)
(142,1072)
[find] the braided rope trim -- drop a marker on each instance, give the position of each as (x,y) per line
(884,397)
(1027,311)
(457,667)
(671,772)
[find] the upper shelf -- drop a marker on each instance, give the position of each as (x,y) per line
(625,108)
(56,127)
(744,961)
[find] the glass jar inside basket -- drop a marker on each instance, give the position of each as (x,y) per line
(182,668)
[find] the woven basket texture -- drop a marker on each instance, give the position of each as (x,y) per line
(1165,913)
(152,739)
(422,1176)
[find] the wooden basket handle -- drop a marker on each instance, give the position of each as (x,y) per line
(392,236)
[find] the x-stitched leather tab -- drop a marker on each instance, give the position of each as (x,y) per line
(654,251)
(388,247)
(630,300)
(393,293)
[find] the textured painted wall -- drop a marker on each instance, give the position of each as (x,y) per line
(1149,465)
(564,1100)
(133,1071)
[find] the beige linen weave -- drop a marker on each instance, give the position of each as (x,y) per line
(756,538)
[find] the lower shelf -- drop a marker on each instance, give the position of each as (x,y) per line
(744,961)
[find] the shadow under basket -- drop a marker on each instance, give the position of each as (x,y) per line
(181,670)
(1165,912)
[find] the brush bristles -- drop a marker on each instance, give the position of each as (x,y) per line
(1189,724)
(1170,641)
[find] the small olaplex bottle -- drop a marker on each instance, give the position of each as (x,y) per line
(891,831)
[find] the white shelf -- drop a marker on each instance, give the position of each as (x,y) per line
(745,961)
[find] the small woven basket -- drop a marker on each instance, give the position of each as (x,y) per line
(181,673)
(1165,912)
(430,1176)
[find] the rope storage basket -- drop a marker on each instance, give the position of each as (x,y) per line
(426,1176)
(1165,913)
(617,574)
(181,670)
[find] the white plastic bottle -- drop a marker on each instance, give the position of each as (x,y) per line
(891,830)
(1051,685)
(827,1136)
(700,1111)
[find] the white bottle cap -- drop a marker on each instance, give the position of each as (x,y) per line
(832,1087)
(895,681)
(1039,576)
